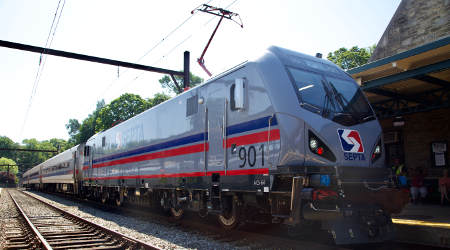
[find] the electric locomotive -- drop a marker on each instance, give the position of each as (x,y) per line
(287,138)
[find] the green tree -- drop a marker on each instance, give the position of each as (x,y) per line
(87,129)
(82,132)
(13,169)
(73,128)
(4,162)
(120,109)
(157,99)
(5,142)
(351,58)
(60,144)
(34,158)
(167,83)
(27,159)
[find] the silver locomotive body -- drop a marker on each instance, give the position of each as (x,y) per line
(287,138)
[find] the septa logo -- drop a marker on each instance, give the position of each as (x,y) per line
(350,141)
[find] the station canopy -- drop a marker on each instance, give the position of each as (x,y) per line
(412,81)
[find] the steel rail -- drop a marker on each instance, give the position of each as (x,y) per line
(44,243)
(139,244)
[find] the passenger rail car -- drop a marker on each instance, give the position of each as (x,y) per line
(287,138)
(31,178)
(59,172)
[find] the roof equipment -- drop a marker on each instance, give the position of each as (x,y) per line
(217,12)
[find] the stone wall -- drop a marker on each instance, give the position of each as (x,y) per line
(415,23)
(419,131)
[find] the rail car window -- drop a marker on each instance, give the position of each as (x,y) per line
(309,87)
(232,101)
(237,96)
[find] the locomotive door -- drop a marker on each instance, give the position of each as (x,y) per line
(217,122)
(89,154)
(74,174)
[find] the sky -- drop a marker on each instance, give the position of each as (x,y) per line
(154,33)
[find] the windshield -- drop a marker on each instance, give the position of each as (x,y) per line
(339,100)
(309,88)
(349,96)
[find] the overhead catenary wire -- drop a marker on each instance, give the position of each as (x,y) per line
(42,60)
(176,46)
(160,59)
(149,51)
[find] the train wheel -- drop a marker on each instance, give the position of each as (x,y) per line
(229,219)
(203,213)
(119,198)
(177,213)
(105,196)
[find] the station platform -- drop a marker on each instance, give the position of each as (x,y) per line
(423,224)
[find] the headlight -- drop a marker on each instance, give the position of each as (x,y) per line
(313,144)
(319,148)
(377,151)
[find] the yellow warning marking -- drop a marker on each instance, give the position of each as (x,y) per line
(421,223)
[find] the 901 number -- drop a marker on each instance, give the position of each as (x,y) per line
(248,155)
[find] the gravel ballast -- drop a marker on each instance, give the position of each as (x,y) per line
(162,236)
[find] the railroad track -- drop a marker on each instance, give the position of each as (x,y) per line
(42,225)
(247,237)
(16,234)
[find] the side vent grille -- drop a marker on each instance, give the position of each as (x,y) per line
(191,105)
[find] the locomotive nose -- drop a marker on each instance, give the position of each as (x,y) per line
(356,146)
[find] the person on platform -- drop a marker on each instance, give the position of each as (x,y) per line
(400,172)
(418,187)
(444,186)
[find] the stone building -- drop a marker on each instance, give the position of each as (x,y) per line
(407,81)
(415,23)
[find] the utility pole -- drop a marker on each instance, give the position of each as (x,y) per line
(7,178)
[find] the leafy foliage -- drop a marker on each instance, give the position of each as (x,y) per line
(351,58)
(5,142)
(25,159)
(167,83)
(73,128)
(13,170)
(34,158)
(120,109)
(5,161)
(3,165)
(82,132)
(157,99)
